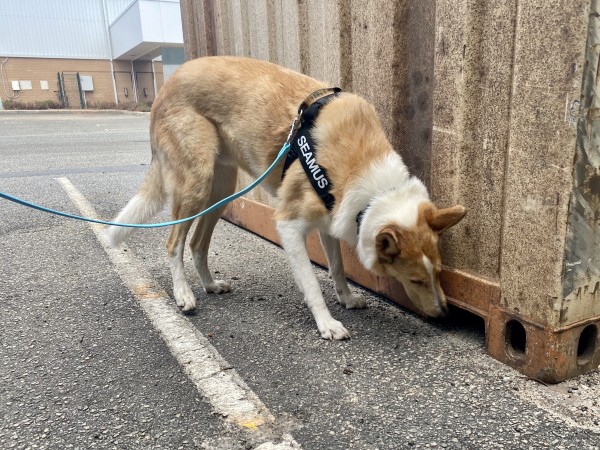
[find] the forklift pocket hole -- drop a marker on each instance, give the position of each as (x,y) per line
(586,346)
(515,339)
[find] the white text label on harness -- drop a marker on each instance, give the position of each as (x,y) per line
(311,163)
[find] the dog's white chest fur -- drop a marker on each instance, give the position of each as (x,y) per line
(388,194)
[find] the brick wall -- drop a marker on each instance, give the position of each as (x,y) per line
(46,69)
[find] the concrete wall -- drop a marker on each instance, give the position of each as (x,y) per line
(549,58)
(481,99)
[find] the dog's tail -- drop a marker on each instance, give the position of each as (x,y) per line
(148,202)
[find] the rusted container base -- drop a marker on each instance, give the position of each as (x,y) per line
(545,354)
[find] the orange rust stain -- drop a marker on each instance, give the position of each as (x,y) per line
(145,291)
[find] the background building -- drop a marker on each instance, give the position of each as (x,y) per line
(88,52)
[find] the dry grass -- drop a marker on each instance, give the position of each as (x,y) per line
(53,104)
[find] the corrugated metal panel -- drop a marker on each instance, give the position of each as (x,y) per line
(57,29)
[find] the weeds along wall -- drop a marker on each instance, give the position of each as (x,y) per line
(483,100)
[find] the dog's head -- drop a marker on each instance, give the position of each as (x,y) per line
(411,255)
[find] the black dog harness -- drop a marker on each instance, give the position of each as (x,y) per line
(302,145)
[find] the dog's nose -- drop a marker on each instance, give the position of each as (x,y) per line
(443,309)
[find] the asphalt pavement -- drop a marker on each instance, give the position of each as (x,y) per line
(84,366)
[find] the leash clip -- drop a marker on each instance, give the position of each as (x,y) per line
(293,128)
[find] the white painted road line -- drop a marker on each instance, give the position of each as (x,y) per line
(214,378)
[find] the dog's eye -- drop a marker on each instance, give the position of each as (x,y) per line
(417,282)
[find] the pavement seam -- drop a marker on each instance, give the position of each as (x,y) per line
(225,390)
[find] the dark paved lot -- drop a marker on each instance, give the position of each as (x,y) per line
(83,368)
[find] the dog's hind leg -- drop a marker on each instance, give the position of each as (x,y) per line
(336,269)
(293,237)
(184,297)
(191,146)
(223,185)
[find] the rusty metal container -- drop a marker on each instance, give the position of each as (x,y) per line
(493,105)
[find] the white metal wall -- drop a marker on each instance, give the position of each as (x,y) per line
(115,8)
(144,27)
(57,28)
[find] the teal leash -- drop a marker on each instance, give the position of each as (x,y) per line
(282,153)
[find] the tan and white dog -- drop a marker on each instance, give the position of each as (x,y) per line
(217,114)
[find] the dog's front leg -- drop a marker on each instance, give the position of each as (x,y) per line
(336,269)
(293,238)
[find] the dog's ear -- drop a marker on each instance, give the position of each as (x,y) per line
(442,219)
(387,244)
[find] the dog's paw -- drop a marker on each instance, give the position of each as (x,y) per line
(333,330)
(352,301)
(185,299)
(217,287)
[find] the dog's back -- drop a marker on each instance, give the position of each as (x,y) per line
(250,102)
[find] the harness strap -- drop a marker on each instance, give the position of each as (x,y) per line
(302,145)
